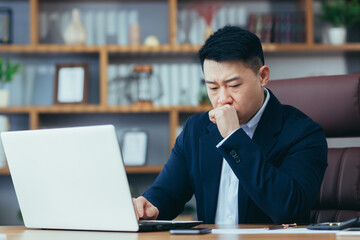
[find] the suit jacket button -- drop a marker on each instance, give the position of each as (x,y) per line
(237,160)
(233,153)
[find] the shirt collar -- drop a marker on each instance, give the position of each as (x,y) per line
(253,122)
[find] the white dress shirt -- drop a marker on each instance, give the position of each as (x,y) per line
(227,205)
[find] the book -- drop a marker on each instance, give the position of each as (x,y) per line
(195,72)
(122,28)
(44,25)
(193,33)
(29,77)
(65,19)
(181,23)
(156,87)
(89,27)
(241,16)
(122,91)
(111,35)
(175,84)
(165,80)
(112,98)
(134,28)
(100,28)
(185,90)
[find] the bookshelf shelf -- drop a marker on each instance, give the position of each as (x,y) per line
(267,47)
(4,171)
(143,169)
(101,109)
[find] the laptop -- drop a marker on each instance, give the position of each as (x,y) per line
(74,178)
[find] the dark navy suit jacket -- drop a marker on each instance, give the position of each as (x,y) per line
(280,170)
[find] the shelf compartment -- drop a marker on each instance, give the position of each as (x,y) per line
(268,47)
(100,109)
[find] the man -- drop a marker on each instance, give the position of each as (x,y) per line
(250,159)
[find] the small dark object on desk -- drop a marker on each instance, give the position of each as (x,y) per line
(355,222)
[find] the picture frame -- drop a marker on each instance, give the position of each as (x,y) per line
(5,25)
(134,147)
(71,83)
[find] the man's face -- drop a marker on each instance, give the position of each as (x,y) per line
(230,82)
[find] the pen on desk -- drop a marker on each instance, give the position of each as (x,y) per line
(282,226)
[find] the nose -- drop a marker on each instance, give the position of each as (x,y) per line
(224,98)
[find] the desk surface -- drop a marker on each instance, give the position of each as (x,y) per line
(21,233)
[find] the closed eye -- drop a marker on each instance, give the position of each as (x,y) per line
(234,86)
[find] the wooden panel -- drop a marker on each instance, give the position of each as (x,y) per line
(4,171)
(34,120)
(173,22)
(143,169)
(139,48)
(74,108)
(309,18)
(192,49)
(104,61)
(50,48)
(34,25)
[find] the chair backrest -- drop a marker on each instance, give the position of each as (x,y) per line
(333,102)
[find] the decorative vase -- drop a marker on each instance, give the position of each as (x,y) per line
(75,32)
(4,97)
(337,35)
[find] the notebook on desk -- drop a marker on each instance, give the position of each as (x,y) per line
(74,178)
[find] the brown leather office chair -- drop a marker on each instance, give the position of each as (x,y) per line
(333,102)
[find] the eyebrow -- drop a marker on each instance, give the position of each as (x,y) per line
(226,81)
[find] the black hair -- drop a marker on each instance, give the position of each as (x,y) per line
(233,43)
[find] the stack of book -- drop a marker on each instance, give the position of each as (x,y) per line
(284,27)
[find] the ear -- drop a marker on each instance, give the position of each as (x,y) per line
(264,74)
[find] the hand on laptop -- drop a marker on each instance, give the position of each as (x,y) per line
(144,209)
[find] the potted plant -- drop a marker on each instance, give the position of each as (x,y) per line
(7,72)
(340,14)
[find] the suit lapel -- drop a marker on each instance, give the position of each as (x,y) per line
(210,170)
(269,125)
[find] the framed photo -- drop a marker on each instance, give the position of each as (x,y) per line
(134,147)
(71,83)
(5,25)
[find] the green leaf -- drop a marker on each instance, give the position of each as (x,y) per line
(8,71)
(340,12)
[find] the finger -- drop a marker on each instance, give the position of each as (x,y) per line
(135,208)
(212,117)
(140,204)
(151,212)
